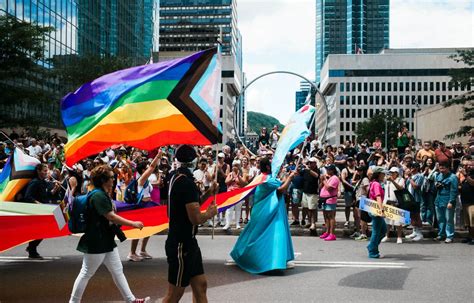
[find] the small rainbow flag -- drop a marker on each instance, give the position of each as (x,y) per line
(172,102)
(17,172)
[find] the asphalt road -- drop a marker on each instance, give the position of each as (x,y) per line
(338,271)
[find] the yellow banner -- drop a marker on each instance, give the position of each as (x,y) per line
(391,212)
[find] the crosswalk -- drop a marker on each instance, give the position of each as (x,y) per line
(18,259)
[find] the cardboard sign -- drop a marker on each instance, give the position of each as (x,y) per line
(391,212)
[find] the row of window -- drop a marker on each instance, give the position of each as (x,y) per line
(368,113)
(394,100)
(401,86)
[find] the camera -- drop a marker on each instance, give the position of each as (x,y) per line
(118,232)
(439,185)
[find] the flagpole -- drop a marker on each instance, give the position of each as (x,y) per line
(310,127)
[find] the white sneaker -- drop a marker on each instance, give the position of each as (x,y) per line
(384,239)
(418,237)
(346,224)
(411,236)
(399,241)
(237,226)
(226,227)
(448,240)
(290,265)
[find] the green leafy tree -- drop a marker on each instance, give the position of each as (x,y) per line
(375,127)
(22,71)
(256,121)
(465,78)
(74,71)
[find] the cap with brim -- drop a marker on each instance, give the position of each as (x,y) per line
(51,160)
(378,170)
(185,153)
(394,170)
(221,155)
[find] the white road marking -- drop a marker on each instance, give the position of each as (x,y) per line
(13,259)
(347,264)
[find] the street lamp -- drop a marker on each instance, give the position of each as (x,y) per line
(415,102)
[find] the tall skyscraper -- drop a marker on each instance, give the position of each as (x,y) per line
(350,27)
(126,28)
(188,26)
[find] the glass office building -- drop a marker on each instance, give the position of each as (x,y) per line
(350,27)
(193,25)
(126,28)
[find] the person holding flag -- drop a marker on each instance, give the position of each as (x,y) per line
(182,250)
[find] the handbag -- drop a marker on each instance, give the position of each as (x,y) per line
(405,199)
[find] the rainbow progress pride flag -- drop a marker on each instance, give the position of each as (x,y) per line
(172,102)
(17,172)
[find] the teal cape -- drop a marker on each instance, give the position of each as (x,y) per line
(265,243)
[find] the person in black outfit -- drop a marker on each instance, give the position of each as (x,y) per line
(182,250)
(38,191)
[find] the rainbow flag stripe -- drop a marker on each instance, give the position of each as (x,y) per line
(17,172)
(172,102)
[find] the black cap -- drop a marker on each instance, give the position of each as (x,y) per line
(185,153)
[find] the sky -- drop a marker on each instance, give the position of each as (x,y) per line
(280,35)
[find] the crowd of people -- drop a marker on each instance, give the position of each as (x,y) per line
(439,178)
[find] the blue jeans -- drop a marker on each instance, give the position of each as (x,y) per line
(427,207)
(445,221)
(379,229)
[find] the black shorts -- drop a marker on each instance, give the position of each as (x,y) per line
(184,263)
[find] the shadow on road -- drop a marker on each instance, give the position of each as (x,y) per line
(381,278)
(411,257)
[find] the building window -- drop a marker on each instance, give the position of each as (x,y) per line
(395,112)
(401,86)
(413,85)
(377,100)
(383,100)
(438,99)
(353,113)
(425,86)
(341,139)
(347,100)
(341,113)
(407,86)
(341,87)
(431,99)
(383,86)
(443,98)
(395,86)
(389,86)
(359,100)
(371,86)
(431,86)
(395,100)
(425,100)
(353,126)
(353,100)
(348,87)
(408,100)
(443,85)
(341,126)
(389,100)
(365,113)
(371,100)
(419,86)
(365,86)
(353,87)
(359,113)
(341,99)
(407,112)
(377,87)
(371,113)
(348,113)
(359,87)
(348,125)
(438,86)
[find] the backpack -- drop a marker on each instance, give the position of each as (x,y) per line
(132,196)
(77,211)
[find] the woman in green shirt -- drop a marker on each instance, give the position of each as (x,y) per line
(98,243)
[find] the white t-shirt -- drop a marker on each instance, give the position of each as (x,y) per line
(390,189)
(200,176)
(34,150)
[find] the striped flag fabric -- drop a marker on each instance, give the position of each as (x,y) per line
(17,172)
(172,102)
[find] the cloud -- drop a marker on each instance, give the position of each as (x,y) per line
(415,23)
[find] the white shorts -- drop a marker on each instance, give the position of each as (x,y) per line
(309,201)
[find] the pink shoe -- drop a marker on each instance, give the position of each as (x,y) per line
(330,238)
(323,236)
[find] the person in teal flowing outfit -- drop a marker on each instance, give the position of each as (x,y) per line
(265,243)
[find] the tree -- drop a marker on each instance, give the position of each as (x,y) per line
(375,127)
(256,121)
(463,77)
(21,75)
(74,71)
